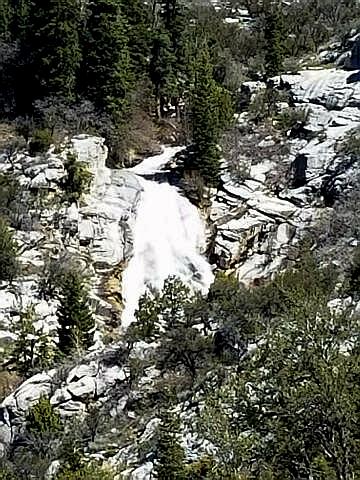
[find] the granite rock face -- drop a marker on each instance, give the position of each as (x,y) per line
(255,226)
(95,230)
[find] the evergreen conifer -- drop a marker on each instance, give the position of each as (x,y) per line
(106,74)
(273,32)
(211,113)
(9,266)
(74,316)
(50,49)
(170,455)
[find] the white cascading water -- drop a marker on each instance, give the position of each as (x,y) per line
(169,235)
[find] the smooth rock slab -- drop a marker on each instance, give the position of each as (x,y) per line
(142,473)
(90,370)
(29,393)
(83,387)
(272,206)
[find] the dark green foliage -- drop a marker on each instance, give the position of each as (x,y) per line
(169,453)
(147,316)
(76,321)
(137,16)
(40,142)
(166,317)
(210,115)
(295,395)
(7,473)
(39,440)
(43,419)
(203,469)
(32,350)
(9,195)
(50,49)
(107,77)
(264,105)
(354,274)
(289,118)
(9,266)
(77,180)
(169,58)
(5,19)
(85,472)
(162,69)
(274,40)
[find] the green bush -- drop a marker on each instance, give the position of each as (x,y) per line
(86,472)
(9,265)
(43,419)
(9,194)
(6,473)
(78,178)
(264,104)
(288,118)
(40,142)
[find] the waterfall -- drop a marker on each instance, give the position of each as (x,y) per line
(169,236)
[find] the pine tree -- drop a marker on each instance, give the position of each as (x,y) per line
(169,453)
(50,50)
(273,32)
(162,72)
(211,113)
(31,349)
(168,57)
(5,19)
(74,316)
(9,266)
(107,78)
(137,17)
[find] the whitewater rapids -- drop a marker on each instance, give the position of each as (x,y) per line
(169,236)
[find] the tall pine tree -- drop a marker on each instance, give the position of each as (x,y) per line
(107,78)
(50,51)
(211,110)
(168,57)
(169,453)
(137,17)
(76,321)
(274,40)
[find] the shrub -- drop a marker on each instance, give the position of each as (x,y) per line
(86,472)
(9,265)
(40,142)
(6,473)
(288,118)
(78,178)
(9,194)
(264,104)
(194,187)
(291,65)
(43,419)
